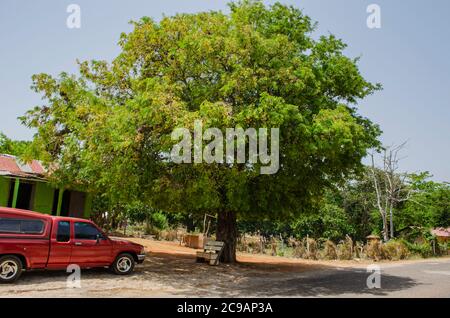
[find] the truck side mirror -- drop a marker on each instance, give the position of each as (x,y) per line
(99,236)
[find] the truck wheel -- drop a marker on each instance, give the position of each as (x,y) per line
(124,264)
(10,269)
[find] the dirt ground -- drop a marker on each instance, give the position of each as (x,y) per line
(170,270)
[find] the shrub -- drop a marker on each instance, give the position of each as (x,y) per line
(242,246)
(292,242)
(423,249)
(345,249)
(329,250)
(250,244)
(159,221)
(150,230)
(311,249)
(374,250)
(167,235)
(258,247)
(299,250)
(273,246)
(281,253)
(443,248)
(359,250)
(394,250)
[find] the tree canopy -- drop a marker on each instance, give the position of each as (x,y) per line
(13,147)
(109,127)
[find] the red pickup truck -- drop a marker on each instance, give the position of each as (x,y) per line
(31,240)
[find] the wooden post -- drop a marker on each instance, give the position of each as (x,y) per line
(282,243)
(204,225)
(307,243)
(261,243)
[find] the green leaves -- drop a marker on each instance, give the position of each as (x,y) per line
(13,147)
(109,128)
(429,206)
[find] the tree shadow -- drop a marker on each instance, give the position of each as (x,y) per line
(268,280)
(184,277)
(331,282)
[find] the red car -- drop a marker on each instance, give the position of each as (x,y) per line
(31,240)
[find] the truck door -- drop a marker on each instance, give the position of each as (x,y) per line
(89,247)
(60,245)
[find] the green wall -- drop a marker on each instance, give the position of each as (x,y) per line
(4,191)
(43,198)
(88,206)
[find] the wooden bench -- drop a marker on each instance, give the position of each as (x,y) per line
(211,252)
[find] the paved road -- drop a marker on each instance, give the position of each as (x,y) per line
(422,279)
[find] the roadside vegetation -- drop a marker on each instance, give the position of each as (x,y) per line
(345,225)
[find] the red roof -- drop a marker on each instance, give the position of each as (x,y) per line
(8,163)
(11,165)
(441,232)
(36,167)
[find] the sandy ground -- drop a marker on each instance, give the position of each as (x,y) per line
(170,270)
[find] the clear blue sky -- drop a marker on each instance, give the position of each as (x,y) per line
(409,55)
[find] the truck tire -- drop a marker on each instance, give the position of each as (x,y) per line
(124,264)
(10,269)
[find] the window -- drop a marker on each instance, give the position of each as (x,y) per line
(63,234)
(24,195)
(9,226)
(31,226)
(86,231)
(19,226)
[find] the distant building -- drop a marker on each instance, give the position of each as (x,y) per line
(24,186)
(442,234)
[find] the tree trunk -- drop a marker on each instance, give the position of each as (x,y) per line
(189,222)
(391,222)
(227,232)
(385,229)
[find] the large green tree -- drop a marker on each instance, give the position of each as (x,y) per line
(13,147)
(110,126)
(428,207)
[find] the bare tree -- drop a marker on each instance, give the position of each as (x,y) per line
(390,186)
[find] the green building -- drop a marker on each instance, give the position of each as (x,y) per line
(24,186)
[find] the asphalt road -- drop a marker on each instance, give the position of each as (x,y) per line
(422,279)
